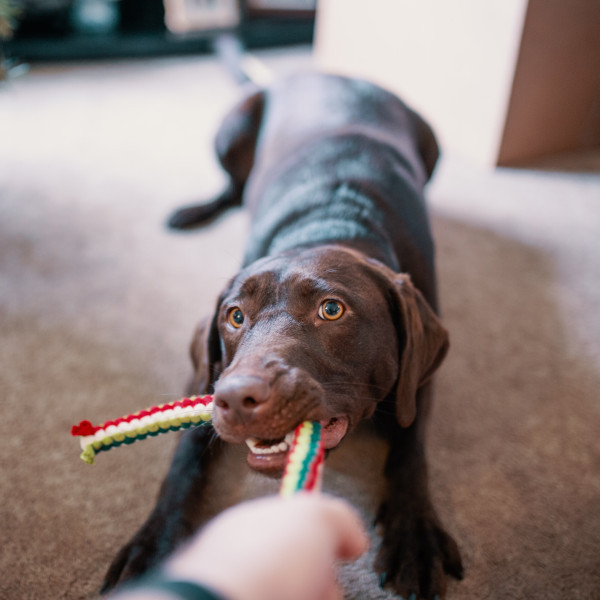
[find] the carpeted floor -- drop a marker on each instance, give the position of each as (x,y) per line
(98,302)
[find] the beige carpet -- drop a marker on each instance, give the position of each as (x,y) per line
(98,301)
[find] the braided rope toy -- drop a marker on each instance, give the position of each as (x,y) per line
(183,414)
(304,463)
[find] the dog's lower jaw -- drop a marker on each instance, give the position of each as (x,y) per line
(271,465)
(270,457)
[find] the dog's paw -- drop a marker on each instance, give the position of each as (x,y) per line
(189,217)
(415,556)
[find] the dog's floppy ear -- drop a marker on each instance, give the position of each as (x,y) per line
(205,352)
(424,343)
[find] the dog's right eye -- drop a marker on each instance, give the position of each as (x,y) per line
(331,310)
(235,317)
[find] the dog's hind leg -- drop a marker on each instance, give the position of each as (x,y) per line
(234,144)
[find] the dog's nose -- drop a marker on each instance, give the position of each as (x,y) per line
(240,397)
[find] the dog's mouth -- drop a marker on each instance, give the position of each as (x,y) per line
(269,456)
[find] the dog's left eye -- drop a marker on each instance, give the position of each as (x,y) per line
(235,317)
(331,310)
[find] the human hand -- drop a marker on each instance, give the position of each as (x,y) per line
(274,549)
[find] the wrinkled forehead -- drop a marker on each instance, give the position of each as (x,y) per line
(312,272)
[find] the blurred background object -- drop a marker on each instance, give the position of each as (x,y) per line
(503,82)
(9,11)
(50,30)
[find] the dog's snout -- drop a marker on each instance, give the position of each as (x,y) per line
(240,396)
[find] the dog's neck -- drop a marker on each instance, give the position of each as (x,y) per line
(349,217)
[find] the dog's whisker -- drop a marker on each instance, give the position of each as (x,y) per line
(345,385)
(213,436)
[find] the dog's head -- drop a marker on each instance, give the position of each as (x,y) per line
(320,334)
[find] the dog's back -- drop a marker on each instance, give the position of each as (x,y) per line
(349,167)
(325,106)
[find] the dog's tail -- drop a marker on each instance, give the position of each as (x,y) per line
(243,66)
(240,127)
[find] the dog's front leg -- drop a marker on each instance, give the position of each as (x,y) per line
(177,512)
(416,552)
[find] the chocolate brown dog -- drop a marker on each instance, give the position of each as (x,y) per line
(332,317)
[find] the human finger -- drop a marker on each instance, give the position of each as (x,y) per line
(345,525)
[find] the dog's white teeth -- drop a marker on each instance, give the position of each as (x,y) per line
(258,447)
(251,443)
